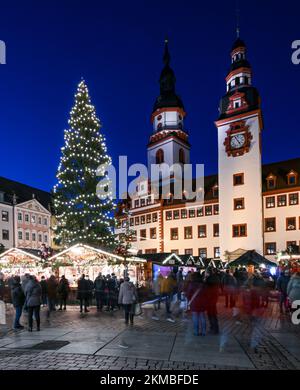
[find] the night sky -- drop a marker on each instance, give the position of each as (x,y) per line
(117,46)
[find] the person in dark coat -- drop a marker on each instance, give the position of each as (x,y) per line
(99,285)
(229,287)
(51,293)
(33,293)
(213,290)
(18,300)
(90,284)
(2,287)
(83,293)
(43,284)
(63,290)
(128,298)
(281,286)
(197,297)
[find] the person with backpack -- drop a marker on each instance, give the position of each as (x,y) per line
(33,293)
(128,298)
(63,290)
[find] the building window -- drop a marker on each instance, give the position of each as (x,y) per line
(33,236)
(176,214)
(149,200)
(202,252)
(238,179)
(153,233)
(176,251)
(5,216)
(40,237)
(200,212)
(174,233)
(216,230)
(181,156)
(148,217)
(270,202)
(201,231)
(239,230)
(291,223)
(20,217)
(290,245)
(39,220)
(270,224)
(131,221)
(150,251)
(281,200)
(191,213)
(154,217)
(184,213)
(143,234)
(133,236)
(216,209)
(168,215)
(188,232)
(217,252)
(20,235)
(143,202)
(208,210)
(137,220)
(159,156)
(270,248)
(45,221)
(27,236)
(136,203)
(33,219)
(27,218)
(5,234)
(238,203)
(143,220)
(188,251)
(293,199)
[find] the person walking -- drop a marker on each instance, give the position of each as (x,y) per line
(196,294)
(213,289)
(43,284)
(157,288)
(63,290)
(99,285)
(229,287)
(18,300)
(83,293)
(281,286)
(51,294)
(33,293)
(293,288)
(128,298)
(2,286)
(167,291)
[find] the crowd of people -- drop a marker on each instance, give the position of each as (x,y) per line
(197,292)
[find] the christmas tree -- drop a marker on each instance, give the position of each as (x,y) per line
(81,215)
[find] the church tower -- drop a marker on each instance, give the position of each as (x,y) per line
(169,141)
(239,159)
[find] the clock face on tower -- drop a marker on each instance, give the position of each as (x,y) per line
(238,139)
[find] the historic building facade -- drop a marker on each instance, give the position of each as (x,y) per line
(247,206)
(25,216)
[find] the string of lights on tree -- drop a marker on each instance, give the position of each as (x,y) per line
(81,215)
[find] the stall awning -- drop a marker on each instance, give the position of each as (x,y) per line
(252,258)
(19,256)
(173,259)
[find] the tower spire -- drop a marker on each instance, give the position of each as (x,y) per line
(166,57)
(237,15)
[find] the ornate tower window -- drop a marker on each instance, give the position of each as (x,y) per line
(159,156)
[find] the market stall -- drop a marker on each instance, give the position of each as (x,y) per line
(17,261)
(252,260)
(84,259)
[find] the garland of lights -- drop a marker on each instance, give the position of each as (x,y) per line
(80,213)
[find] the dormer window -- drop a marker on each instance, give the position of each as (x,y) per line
(292,178)
(215,191)
(271,182)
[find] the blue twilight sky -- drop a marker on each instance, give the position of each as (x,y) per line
(117,47)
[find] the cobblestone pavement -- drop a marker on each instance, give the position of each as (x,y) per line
(102,341)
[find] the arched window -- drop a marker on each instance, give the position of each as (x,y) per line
(181,156)
(159,156)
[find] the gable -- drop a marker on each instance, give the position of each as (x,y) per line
(33,205)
